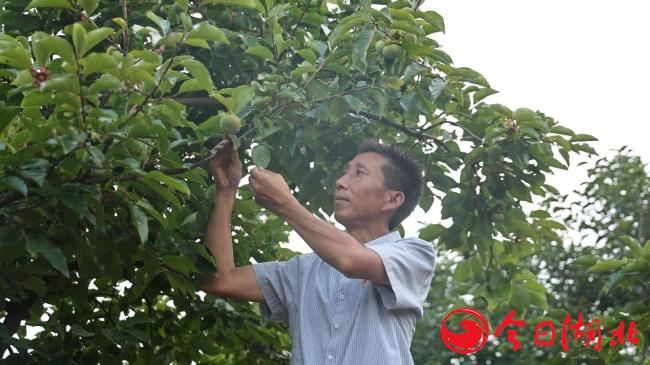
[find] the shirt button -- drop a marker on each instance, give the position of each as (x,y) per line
(341,296)
(329,357)
(336,325)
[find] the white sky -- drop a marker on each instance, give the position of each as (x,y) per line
(580,62)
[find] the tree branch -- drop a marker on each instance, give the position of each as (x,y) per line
(402,128)
(125,33)
(135,110)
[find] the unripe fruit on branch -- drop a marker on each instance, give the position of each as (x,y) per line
(379,46)
(392,51)
(230,124)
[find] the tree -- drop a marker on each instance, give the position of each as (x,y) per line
(109,110)
(605,278)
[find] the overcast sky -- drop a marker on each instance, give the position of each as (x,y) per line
(586,64)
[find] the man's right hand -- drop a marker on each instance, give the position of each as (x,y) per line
(226,167)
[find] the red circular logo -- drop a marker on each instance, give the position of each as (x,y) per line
(474,336)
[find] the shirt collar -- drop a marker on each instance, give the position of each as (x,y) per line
(388,237)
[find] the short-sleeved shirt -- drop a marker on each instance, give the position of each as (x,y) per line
(334,319)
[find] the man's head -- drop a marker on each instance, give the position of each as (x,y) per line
(381,184)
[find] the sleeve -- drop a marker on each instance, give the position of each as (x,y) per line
(410,264)
(277,281)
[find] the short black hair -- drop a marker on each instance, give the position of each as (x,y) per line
(402,173)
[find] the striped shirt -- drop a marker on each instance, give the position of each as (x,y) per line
(334,319)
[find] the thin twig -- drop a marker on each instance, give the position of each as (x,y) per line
(89,20)
(457,125)
(135,110)
(125,34)
(320,67)
(402,128)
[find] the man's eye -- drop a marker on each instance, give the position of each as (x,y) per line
(358,172)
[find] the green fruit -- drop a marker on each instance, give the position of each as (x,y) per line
(480,303)
(411,37)
(379,46)
(230,124)
(264,101)
(392,51)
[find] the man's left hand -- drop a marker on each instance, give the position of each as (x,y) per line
(269,189)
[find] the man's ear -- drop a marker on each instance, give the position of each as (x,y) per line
(394,200)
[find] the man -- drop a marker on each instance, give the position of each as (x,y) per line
(357,297)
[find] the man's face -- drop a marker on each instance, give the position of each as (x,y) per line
(361,185)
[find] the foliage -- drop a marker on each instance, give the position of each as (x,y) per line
(108,113)
(607,281)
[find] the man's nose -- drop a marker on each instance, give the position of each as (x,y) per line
(340,183)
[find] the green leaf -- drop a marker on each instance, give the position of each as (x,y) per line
(16,56)
(105,82)
(7,114)
(338,108)
(633,244)
(15,183)
(431,232)
(562,130)
(199,72)
(586,260)
(426,200)
(483,93)
(99,62)
(162,24)
(180,283)
(151,210)
(361,48)
(191,85)
(73,200)
(229,103)
(407,27)
(260,51)
(433,18)
(139,220)
(525,114)
(167,195)
(519,298)
(173,183)
(309,56)
(261,155)
(462,271)
(607,265)
(242,95)
(96,155)
(536,293)
(399,14)
(49,4)
(208,31)
(583,138)
(470,75)
(201,43)
(93,38)
(78,37)
(344,26)
(244,3)
(176,263)
(89,5)
(39,244)
(35,170)
(414,69)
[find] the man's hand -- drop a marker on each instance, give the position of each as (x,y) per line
(226,167)
(269,189)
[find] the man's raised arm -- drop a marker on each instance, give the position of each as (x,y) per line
(229,281)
